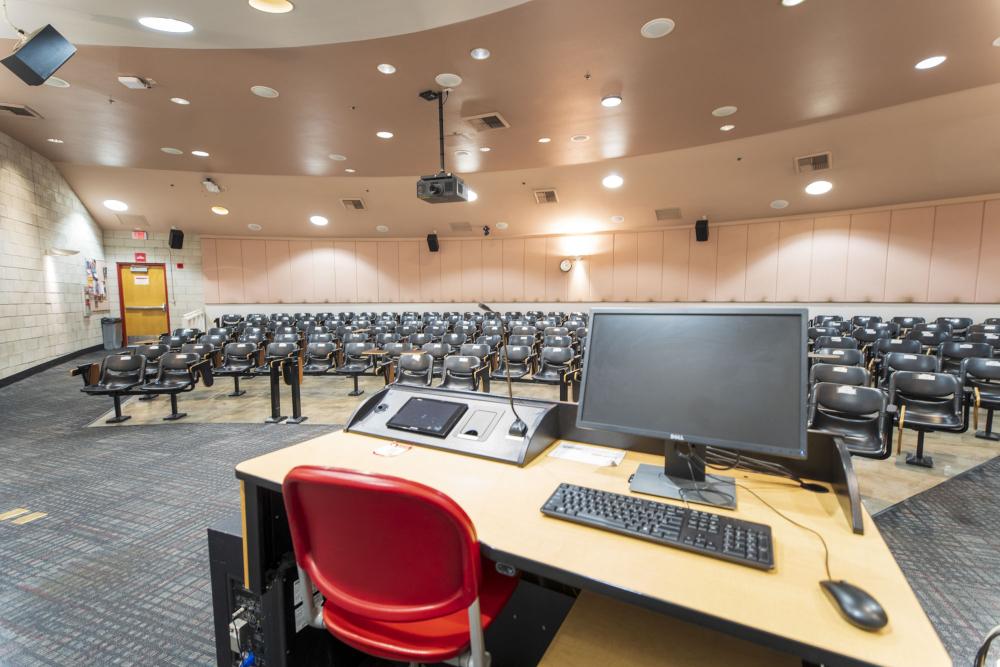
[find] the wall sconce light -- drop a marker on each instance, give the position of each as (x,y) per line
(61,252)
(566,265)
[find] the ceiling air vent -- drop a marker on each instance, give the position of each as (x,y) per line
(810,163)
(668,214)
(487,121)
(132,221)
(546,197)
(354,204)
(19,110)
(460,226)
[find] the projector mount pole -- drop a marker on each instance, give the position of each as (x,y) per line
(441,96)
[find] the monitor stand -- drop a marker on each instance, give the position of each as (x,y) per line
(683,478)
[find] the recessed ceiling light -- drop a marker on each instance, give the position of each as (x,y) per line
(53,140)
(56,82)
(544,140)
(479,53)
(462,153)
(722,112)
(115,205)
(779,203)
(502,225)
(819,187)
(384,134)
(165,25)
(337,157)
(220,210)
(611,101)
(473,196)
(618,219)
(930,63)
(728,128)
(580,138)
(199,153)
(350,171)
(381,228)
(386,68)
(612,181)
(254,227)
(272,6)
(791,3)
(264,91)
(996,42)
(448,80)
(319,220)
(172,151)
(485,149)
(657,28)
(180,100)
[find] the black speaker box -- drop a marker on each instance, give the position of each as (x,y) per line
(701,231)
(176,239)
(40,57)
(432,242)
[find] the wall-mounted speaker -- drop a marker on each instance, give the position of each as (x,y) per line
(432,242)
(701,230)
(176,239)
(40,56)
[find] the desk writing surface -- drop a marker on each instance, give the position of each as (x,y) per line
(503,502)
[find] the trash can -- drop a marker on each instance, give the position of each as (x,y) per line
(111,331)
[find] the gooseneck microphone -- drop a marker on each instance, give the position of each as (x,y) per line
(518,428)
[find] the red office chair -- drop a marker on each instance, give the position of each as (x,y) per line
(398,564)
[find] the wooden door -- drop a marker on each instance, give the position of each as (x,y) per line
(142,289)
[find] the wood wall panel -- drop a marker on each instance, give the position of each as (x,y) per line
(513,270)
(430,274)
(229,253)
(255,271)
(409,271)
(210,271)
(649,272)
(556,281)
(600,268)
(676,260)
(303,271)
(534,269)
(731,267)
(828,276)
(702,267)
(625,273)
(762,261)
(908,261)
(347,271)
(988,281)
(366,253)
(388,271)
(795,239)
(492,270)
(472,270)
(279,272)
(867,248)
(958,231)
(451,270)
(325,265)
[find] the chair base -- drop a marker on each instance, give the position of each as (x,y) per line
(296,420)
(275,420)
(919,460)
(237,393)
(118,419)
(174,416)
(357,390)
(988,435)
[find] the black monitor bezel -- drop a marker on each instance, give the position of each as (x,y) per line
(759,448)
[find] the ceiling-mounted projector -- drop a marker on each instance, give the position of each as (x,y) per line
(38,55)
(442,187)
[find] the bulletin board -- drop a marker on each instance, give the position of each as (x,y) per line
(95,291)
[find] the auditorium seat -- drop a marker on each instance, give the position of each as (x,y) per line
(415,369)
(454,341)
(927,402)
(521,358)
(319,358)
(120,374)
(865,321)
(356,363)
(884,346)
(959,325)
(152,353)
(179,372)
(855,376)
(991,339)
(554,362)
(838,355)
(462,372)
(907,321)
(904,361)
(836,342)
(930,339)
(981,377)
(438,351)
(856,414)
(952,353)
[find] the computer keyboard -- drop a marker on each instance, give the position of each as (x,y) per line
(705,533)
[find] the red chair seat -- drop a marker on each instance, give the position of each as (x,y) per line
(434,640)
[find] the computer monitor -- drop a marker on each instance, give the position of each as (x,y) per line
(732,378)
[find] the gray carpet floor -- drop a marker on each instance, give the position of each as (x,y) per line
(117,572)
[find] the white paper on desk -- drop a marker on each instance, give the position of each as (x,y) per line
(592,455)
(392,449)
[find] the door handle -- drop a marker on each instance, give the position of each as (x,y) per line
(161,307)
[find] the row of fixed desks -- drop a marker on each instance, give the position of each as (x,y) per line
(783,610)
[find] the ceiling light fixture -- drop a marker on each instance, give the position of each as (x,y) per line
(485,149)
(172,151)
(996,42)
(386,68)
(473,196)
(618,219)
(722,112)
(56,82)
(165,24)
(791,3)
(180,100)
(544,140)
(612,181)
(728,128)
(382,229)
(272,6)
(448,80)
(264,91)
(199,153)
(779,203)
(319,221)
(254,227)
(384,134)
(115,205)
(579,138)
(479,53)
(657,28)
(930,63)
(819,187)
(53,140)
(337,157)
(220,210)
(462,153)
(350,171)
(501,226)
(611,101)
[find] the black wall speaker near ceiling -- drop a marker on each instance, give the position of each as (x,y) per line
(40,56)
(176,239)
(432,242)
(701,230)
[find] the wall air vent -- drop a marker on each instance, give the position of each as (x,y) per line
(19,110)
(460,226)
(487,121)
(810,163)
(354,204)
(668,214)
(546,196)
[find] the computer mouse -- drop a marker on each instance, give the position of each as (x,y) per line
(857,606)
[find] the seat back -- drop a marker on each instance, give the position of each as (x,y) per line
(459,372)
(321,338)
(281,350)
(952,353)
(420,339)
(942,391)
(865,321)
(822,320)
(521,341)
(477,350)
(492,341)
(175,368)
(555,359)
(201,350)
(855,376)
(124,369)
(467,329)
(931,338)
(173,342)
(355,337)
(216,341)
(908,322)
(958,324)
(383,339)
(903,361)
(454,340)
(991,339)
(557,341)
(840,356)
(855,413)
(355,351)
(279,329)
(884,346)
(437,350)
(869,335)
(523,330)
(320,353)
(151,352)
(415,369)
(220,331)
(836,342)
(815,332)
(286,338)
(491,329)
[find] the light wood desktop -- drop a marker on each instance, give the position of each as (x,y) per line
(784,608)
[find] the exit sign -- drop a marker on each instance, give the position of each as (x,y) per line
(139,235)
(140,257)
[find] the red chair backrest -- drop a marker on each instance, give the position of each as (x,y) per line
(382,547)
